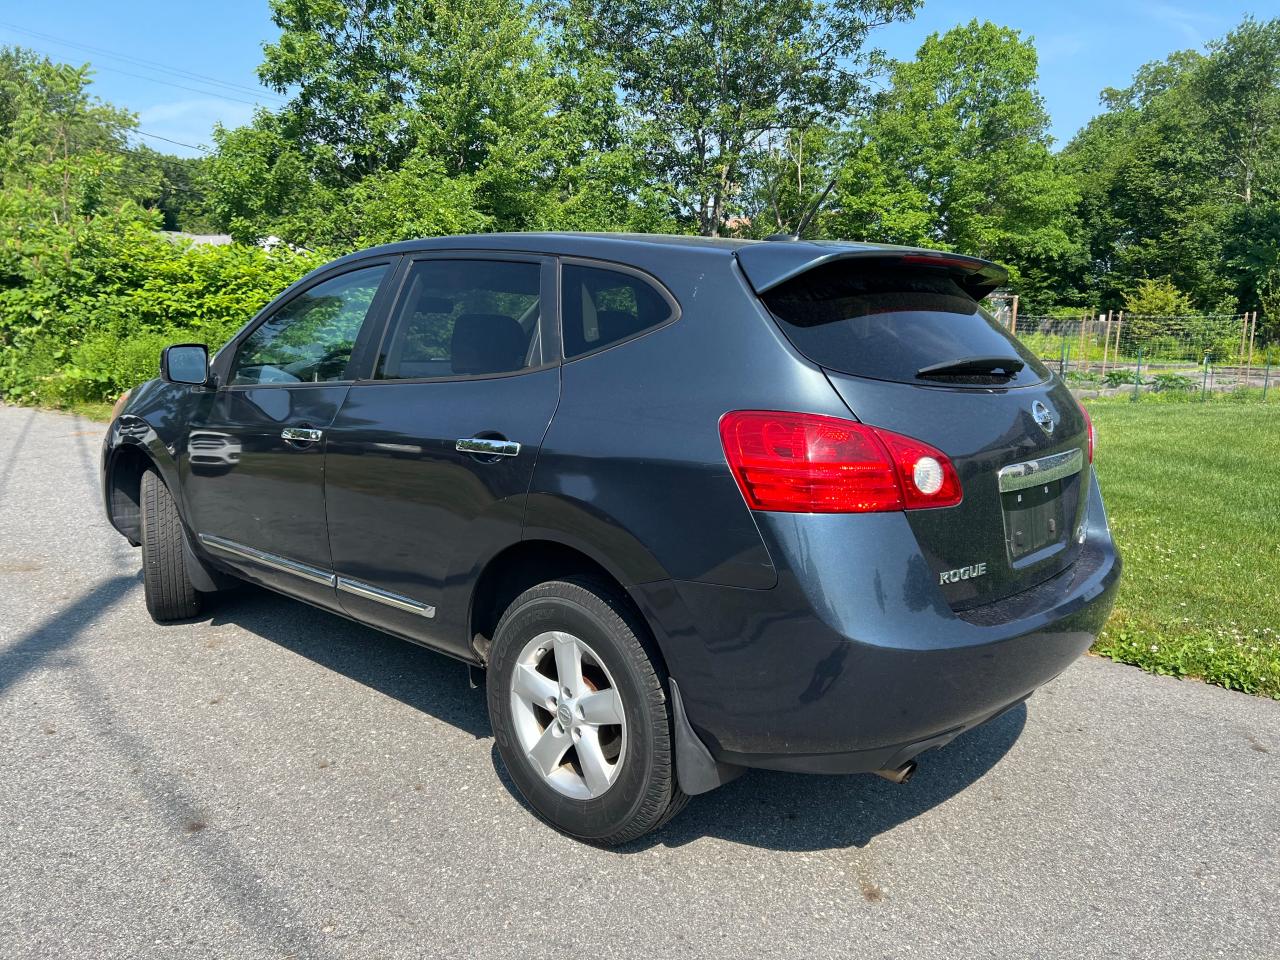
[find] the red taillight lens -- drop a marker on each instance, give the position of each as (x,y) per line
(806,463)
(928,479)
(1088,426)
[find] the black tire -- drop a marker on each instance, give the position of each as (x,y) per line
(645,794)
(169,593)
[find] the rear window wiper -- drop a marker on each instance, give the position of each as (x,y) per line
(973,366)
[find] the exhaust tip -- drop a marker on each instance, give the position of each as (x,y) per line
(899,774)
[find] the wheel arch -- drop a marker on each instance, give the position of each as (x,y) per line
(127,464)
(524,564)
(132,448)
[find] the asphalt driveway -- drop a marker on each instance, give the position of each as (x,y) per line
(273,781)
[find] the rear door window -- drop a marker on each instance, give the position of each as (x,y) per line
(465,318)
(893,323)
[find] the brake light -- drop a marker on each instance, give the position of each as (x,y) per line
(933,260)
(807,463)
(1088,426)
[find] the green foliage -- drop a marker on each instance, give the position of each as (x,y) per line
(956,154)
(1150,304)
(1157,298)
(1180,178)
(1201,585)
(711,81)
(94,315)
(1168,381)
(428,118)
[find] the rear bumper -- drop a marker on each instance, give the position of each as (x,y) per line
(855,662)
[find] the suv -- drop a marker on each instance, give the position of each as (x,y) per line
(692,505)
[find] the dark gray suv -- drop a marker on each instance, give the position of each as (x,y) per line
(693,505)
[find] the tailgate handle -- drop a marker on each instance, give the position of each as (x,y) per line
(1032,473)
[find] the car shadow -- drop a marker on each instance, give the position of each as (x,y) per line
(419,678)
(763,808)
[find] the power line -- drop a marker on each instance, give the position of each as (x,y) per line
(168,83)
(178,143)
(149,64)
(179,86)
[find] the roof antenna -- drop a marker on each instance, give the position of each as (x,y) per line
(807,218)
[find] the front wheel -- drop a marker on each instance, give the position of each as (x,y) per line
(580,713)
(168,589)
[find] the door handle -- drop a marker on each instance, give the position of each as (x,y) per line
(486,447)
(301,434)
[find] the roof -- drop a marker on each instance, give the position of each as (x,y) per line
(766,263)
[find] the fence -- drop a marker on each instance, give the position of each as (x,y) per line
(1114,352)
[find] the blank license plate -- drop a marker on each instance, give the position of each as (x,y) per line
(1033,518)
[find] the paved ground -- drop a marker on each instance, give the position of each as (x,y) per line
(276,782)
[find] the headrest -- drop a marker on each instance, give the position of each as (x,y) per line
(487,343)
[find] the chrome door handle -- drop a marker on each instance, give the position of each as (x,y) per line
(301,434)
(486,447)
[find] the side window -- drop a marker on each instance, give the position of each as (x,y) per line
(310,338)
(601,306)
(465,318)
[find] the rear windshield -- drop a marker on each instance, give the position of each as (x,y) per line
(891,323)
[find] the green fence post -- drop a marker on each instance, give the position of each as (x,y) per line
(1062,358)
(1204,383)
(1137,376)
(1266,379)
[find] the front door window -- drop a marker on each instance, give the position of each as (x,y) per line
(310,338)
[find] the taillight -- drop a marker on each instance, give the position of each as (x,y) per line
(807,463)
(1088,427)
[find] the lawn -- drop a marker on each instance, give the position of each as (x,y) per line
(1193,495)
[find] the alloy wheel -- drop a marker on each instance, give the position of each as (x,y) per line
(568,715)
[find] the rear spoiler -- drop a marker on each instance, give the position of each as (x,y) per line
(769,265)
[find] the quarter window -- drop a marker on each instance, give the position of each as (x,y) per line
(310,338)
(601,307)
(465,318)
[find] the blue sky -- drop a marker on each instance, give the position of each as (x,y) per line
(1084,45)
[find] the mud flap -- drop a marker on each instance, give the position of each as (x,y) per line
(696,770)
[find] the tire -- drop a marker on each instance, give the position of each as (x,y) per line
(640,793)
(169,593)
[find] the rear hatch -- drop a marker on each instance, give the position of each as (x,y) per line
(904,341)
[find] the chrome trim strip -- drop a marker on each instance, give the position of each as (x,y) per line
(493,448)
(1020,476)
(283,564)
(358,589)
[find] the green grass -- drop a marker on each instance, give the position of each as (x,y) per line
(1193,495)
(91,410)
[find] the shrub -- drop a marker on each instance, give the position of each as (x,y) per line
(98,301)
(1172,381)
(1118,378)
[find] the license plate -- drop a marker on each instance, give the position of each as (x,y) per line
(1033,518)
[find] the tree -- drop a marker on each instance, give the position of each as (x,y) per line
(710,82)
(1179,177)
(467,93)
(956,153)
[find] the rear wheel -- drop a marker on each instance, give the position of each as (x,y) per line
(168,589)
(580,713)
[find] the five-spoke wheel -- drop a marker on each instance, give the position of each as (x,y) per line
(568,714)
(580,714)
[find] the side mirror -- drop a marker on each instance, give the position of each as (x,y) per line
(185,363)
